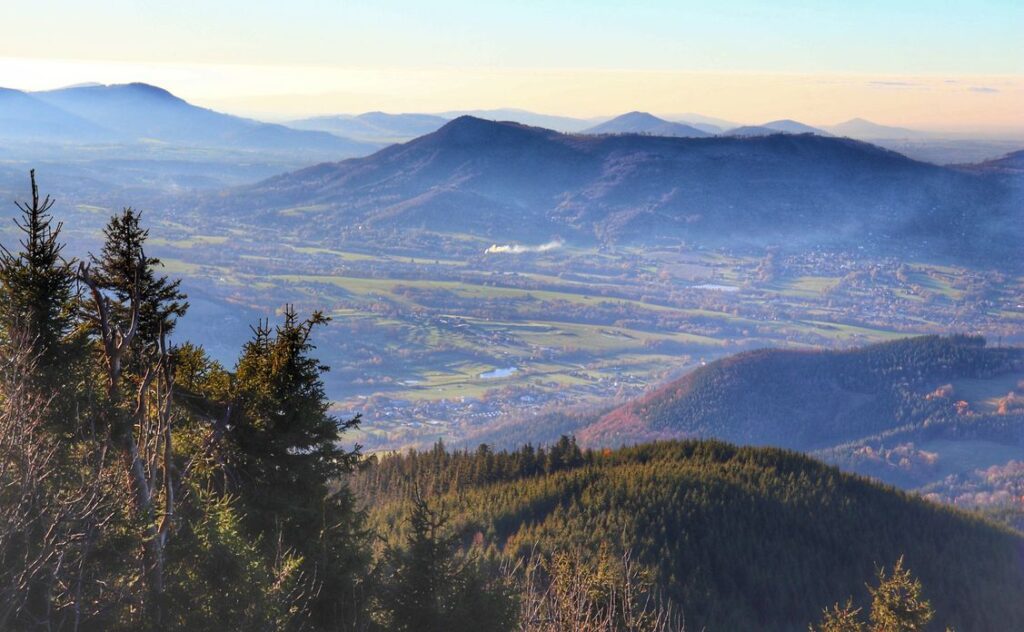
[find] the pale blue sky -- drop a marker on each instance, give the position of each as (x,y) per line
(897,37)
(972,42)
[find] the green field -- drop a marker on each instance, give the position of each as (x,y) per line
(580,325)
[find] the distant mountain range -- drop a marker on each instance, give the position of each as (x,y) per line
(141,113)
(702,121)
(381,127)
(91,112)
(510,181)
(644,123)
(374,126)
(566,124)
(867,130)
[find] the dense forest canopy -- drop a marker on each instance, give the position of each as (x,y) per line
(740,538)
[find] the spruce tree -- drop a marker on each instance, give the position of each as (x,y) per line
(37,287)
(897,604)
(123,268)
(290,466)
(287,440)
(431,587)
(422,572)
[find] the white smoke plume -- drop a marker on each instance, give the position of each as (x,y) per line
(518,249)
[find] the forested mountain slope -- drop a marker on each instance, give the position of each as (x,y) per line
(809,400)
(743,538)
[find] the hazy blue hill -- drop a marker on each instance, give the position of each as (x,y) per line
(644,123)
(410,124)
(25,117)
(702,121)
(808,400)
(1011,164)
(525,117)
(795,127)
(137,111)
(705,127)
(374,126)
(784,126)
(751,130)
(868,130)
(510,181)
(742,538)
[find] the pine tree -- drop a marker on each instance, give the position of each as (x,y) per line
(37,287)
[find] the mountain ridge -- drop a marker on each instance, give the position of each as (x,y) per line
(512,181)
(373,126)
(140,112)
(865,129)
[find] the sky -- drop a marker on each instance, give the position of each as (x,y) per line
(935,64)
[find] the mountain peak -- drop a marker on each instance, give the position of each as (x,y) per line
(144,87)
(468,129)
(636,114)
(134,90)
(790,126)
(645,123)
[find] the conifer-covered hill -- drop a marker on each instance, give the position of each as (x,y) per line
(808,400)
(742,538)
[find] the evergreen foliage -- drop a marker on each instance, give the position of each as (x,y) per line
(124,269)
(430,587)
(37,286)
(741,538)
(896,606)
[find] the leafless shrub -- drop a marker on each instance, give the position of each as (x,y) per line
(566,591)
(47,514)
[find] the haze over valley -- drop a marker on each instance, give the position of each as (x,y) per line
(492,268)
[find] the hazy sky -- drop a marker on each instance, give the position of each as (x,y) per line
(934,63)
